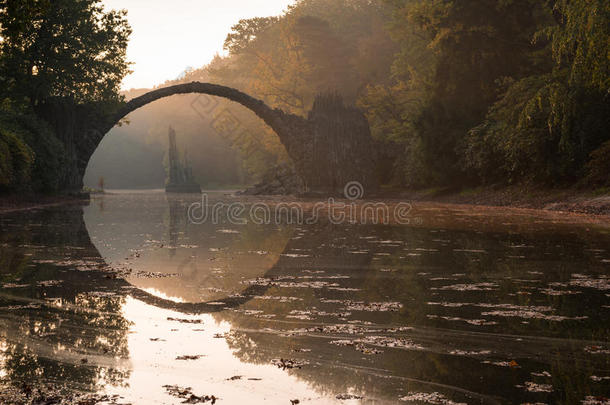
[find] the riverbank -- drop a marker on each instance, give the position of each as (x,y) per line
(594,202)
(583,201)
(19,202)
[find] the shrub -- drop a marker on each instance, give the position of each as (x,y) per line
(36,156)
(598,168)
(16,161)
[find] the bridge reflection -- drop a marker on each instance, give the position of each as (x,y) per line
(362,306)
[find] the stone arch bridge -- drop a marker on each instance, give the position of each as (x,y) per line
(329,148)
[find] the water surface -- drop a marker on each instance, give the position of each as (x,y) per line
(127,301)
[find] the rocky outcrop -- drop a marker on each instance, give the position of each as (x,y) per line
(280,180)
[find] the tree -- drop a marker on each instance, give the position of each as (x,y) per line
(580,41)
(245,32)
(318,45)
(547,126)
(61,48)
(454,57)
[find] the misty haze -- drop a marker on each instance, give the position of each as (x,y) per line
(304,201)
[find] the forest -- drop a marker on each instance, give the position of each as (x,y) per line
(458,94)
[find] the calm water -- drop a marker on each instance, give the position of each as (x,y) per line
(126,301)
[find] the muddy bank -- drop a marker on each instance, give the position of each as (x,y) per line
(284,181)
(569,200)
(14,202)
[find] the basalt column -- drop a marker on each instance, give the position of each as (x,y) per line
(341,147)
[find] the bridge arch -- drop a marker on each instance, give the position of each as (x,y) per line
(279,121)
(329,148)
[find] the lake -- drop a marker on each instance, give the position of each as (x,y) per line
(130,300)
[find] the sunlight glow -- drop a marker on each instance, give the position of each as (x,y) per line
(160,294)
(170,36)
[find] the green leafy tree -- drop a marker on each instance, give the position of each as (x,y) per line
(245,32)
(580,41)
(61,48)
(318,45)
(32,157)
(453,57)
(546,127)
(67,52)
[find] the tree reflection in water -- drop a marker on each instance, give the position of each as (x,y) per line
(61,317)
(472,311)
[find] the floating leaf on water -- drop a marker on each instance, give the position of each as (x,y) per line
(469,287)
(597,350)
(542,374)
(345,397)
(534,387)
(190,357)
(288,363)
(511,364)
(181,320)
(188,396)
(470,353)
(433,398)
(591,400)
(374,306)
(533,315)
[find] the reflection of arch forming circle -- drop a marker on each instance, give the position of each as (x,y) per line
(96,237)
(284,266)
(268,278)
(197,307)
(217,305)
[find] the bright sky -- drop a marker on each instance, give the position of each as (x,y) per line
(169,36)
